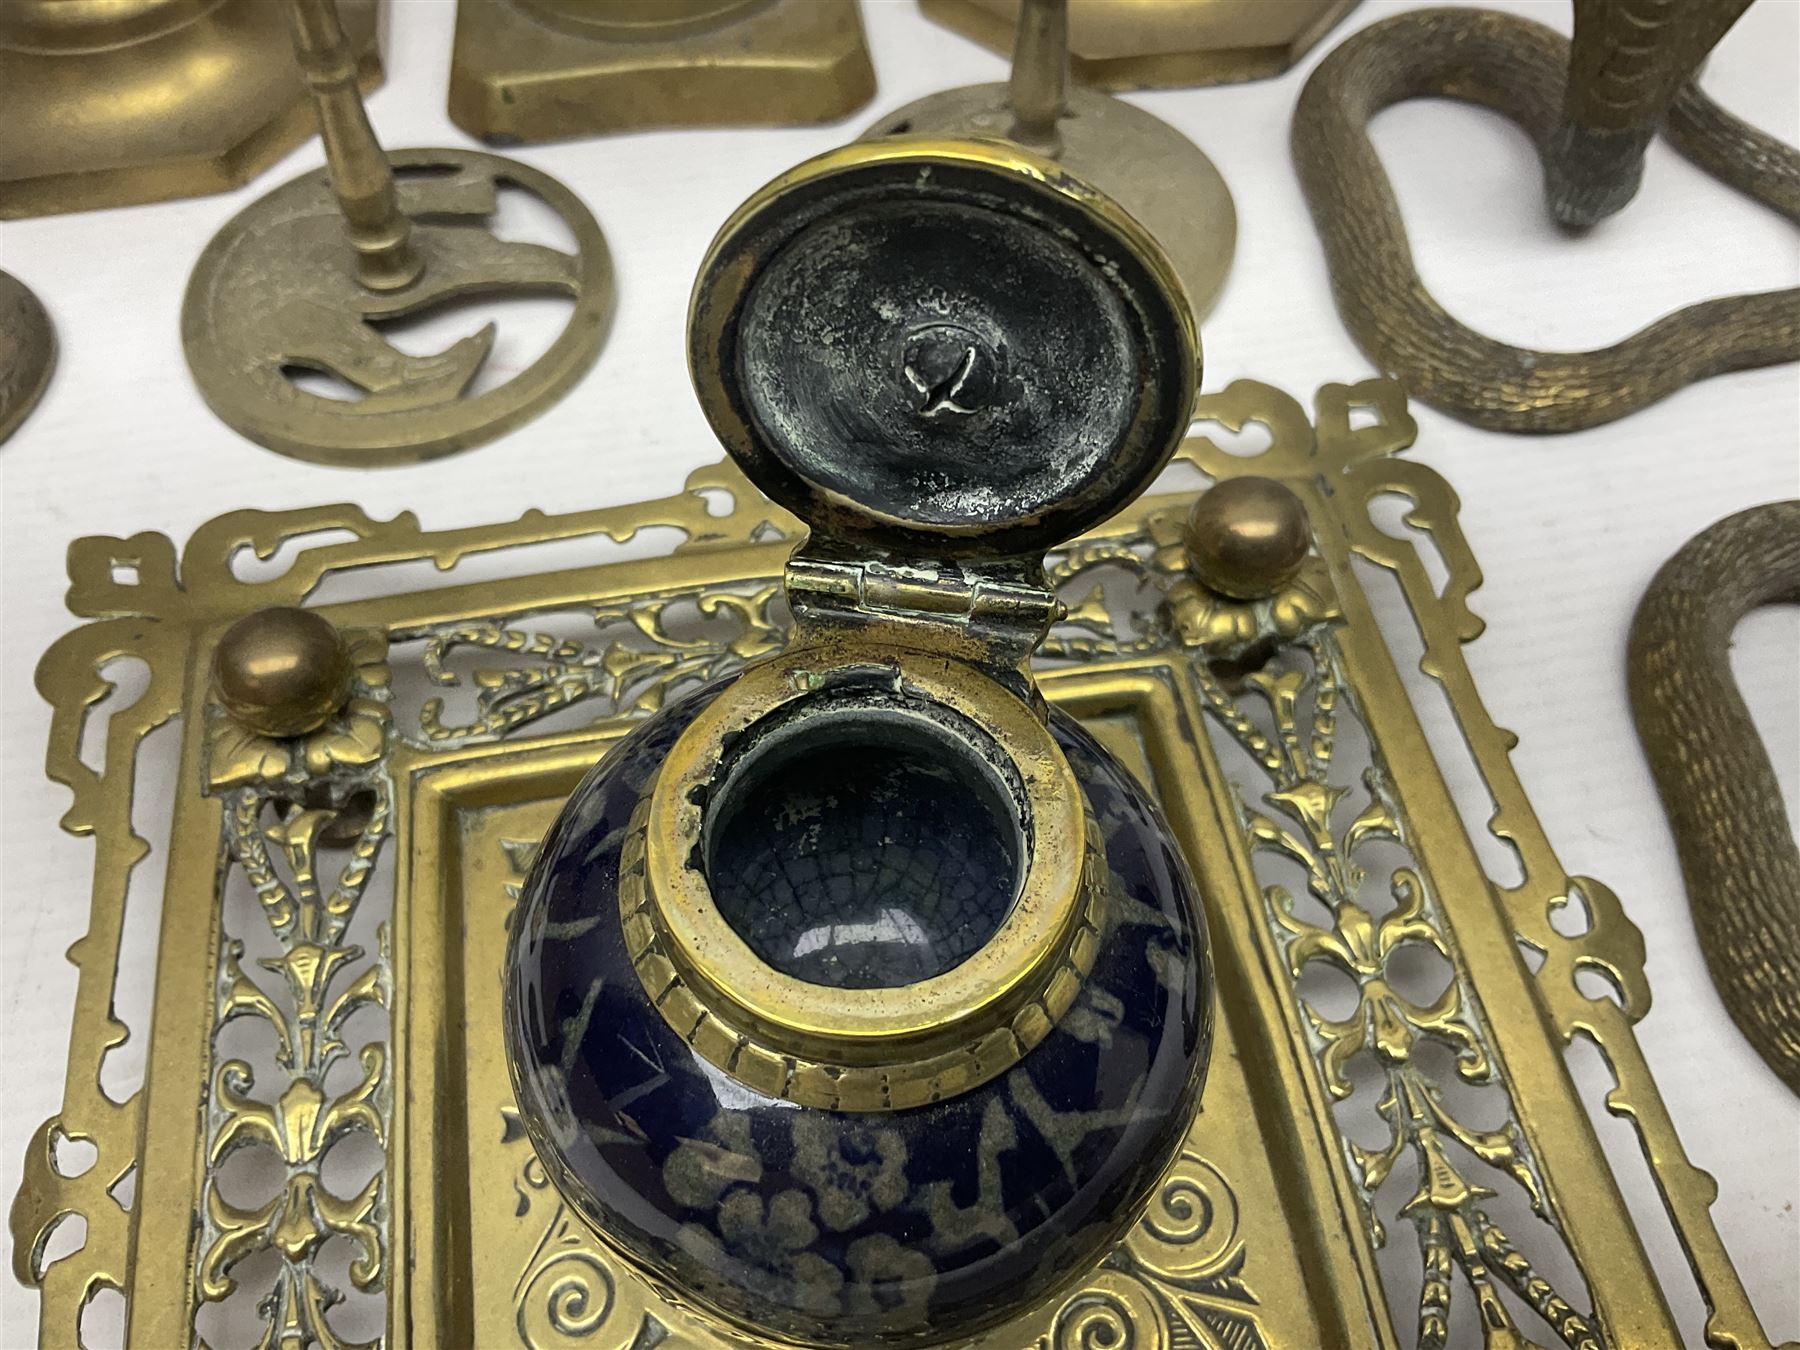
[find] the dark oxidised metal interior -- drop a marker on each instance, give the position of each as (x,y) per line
(864,841)
(943,353)
(943,364)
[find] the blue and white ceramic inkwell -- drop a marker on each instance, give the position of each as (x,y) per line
(862,998)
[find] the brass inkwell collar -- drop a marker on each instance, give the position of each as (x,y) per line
(946,357)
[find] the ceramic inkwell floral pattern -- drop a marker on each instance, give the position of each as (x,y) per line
(861,997)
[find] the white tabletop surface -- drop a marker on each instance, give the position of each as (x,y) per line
(1567,529)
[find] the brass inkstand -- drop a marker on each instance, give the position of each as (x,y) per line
(869,896)
(116,102)
(770,942)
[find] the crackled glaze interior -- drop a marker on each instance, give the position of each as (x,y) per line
(863,852)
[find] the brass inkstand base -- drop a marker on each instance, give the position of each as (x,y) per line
(539,70)
(1279,734)
(146,100)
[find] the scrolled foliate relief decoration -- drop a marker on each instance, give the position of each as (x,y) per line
(1176,1278)
(1304,824)
(1284,715)
(305,821)
(303,824)
(636,666)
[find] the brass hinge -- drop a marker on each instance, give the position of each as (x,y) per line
(985,608)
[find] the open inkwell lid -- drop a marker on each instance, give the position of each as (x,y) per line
(942,349)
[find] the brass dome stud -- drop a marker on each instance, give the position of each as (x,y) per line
(1247,537)
(282,671)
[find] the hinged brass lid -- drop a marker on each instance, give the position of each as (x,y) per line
(945,350)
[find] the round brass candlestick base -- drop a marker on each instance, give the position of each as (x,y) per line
(276,293)
(1148,167)
(1162,44)
(27,352)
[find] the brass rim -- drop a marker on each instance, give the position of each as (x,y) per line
(872,1049)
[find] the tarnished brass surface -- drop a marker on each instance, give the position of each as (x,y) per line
(541,70)
(1157,174)
(298,279)
(111,104)
(810,474)
(1590,121)
(1738,855)
(1162,44)
(1304,790)
(27,352)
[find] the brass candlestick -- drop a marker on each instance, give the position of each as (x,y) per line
(540,70)
(276,293)
(145,100)
(1147,166)
(1162,44)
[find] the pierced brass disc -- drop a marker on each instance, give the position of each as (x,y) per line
(276,292)
(27,352)
(1148,167)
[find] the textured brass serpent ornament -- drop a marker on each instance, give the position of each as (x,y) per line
(1590,124)
(1738,855)
(297,280)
